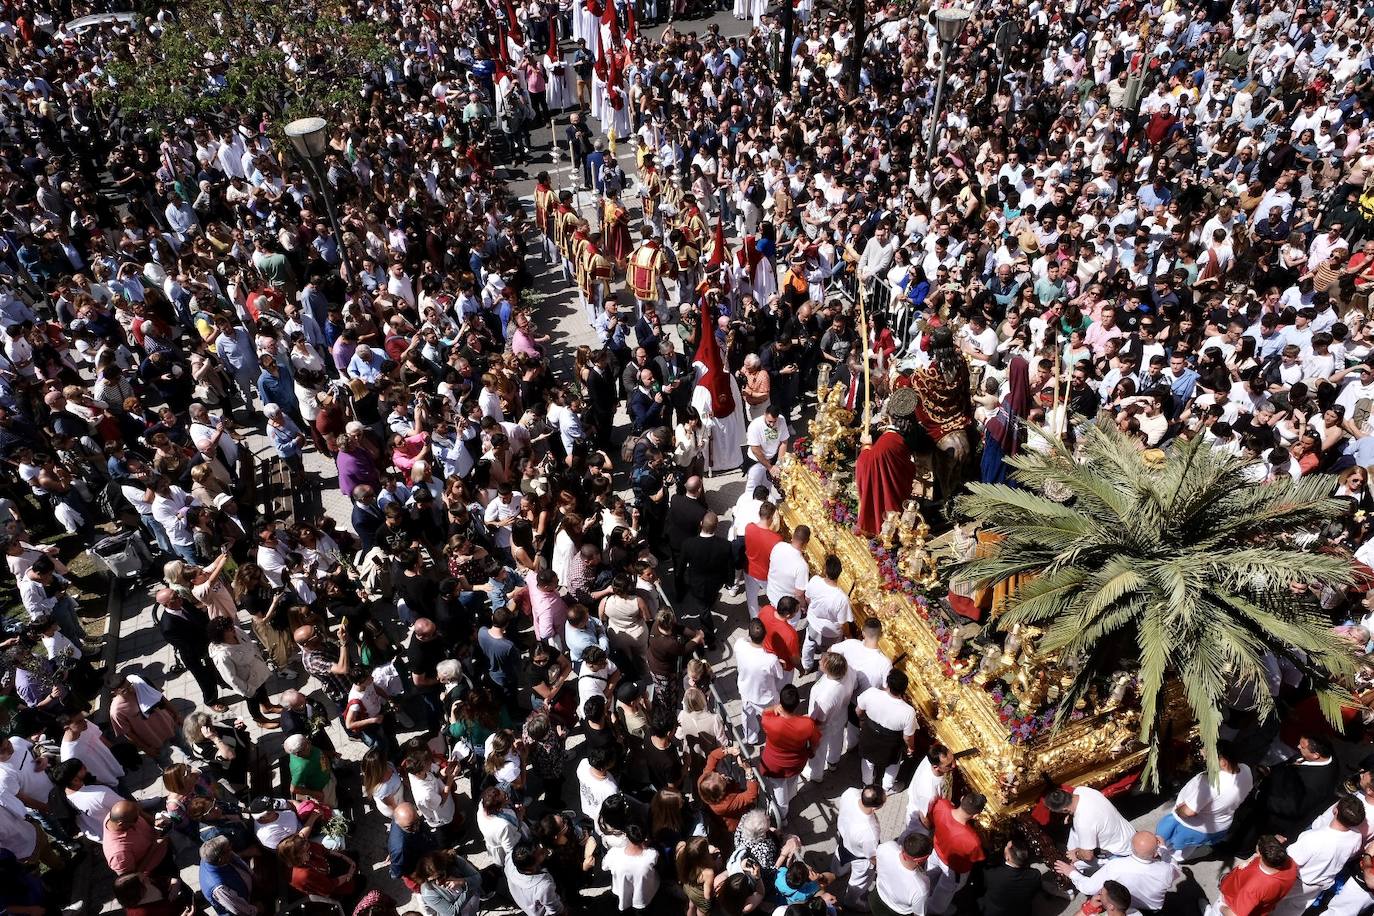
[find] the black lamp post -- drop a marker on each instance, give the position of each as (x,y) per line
(949,24)
(310,138)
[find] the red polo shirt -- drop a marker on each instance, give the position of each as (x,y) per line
(788,743)
(959,845)
(779,638)
(1251,891)
(758,544)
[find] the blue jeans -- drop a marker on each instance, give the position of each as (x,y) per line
(159,533)
(64,613)
(186,552)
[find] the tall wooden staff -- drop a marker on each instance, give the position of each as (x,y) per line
(867,436)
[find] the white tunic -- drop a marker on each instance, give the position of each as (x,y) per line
(727,433)
(1216,805)
(559,91)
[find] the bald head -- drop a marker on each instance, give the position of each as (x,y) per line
(405,815)
(303,634)
(694,487)
(124,813)
(424,628)
(165,596)
(1145,845)
(293,698)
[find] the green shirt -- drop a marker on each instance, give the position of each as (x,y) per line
(309,772)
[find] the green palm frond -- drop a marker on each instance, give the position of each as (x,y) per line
(1186,572)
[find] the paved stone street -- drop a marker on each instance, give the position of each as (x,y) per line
(140,647)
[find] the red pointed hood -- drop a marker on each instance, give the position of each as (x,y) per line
(714,378)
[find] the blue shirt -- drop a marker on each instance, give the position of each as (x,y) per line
(286,438)
(406,849)
(278,389)
(369,370)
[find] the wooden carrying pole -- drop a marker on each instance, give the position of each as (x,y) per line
(867,435)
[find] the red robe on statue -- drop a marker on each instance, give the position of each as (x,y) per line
(884,474)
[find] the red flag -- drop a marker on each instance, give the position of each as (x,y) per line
(714,378)
(631,27)
(514,24)
(600,65)
(502,54)
(718,249)
(552,50)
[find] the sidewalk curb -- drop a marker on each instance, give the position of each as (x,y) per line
(114,621)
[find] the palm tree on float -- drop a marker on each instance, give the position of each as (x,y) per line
(1179,569)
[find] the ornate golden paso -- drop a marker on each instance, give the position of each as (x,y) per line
(1094,750)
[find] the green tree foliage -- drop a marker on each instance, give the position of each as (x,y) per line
(1184,570)
(282,59)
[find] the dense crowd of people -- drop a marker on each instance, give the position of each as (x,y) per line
(1150,215)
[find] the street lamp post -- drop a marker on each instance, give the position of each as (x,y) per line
(949,24)
(310,138)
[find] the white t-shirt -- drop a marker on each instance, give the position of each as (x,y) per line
(389,789)
(827,609)
(286,825)
(436,808)
(870,666)
(858,829)
(829,702)
(593,791)
(1321,854)
(787,572)
(759,673)
(1215,805)
(92,805)
(768,438)
(1098,825)
(903,889)
(892,713)
(634,878)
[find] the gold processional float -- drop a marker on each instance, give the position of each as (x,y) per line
(991,697)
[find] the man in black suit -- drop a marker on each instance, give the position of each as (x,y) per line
(184,627)
(707,568)
(685,512)
(603,397)
(1010,888)
(367,515)
(1301,789)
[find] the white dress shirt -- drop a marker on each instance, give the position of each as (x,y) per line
(870,666)
(1148,882)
